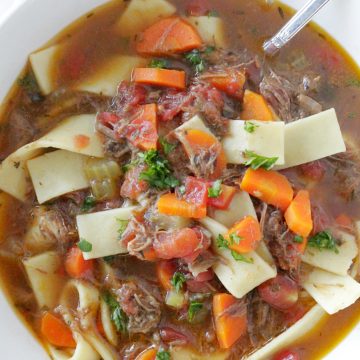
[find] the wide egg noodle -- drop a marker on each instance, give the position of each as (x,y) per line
(57,173)
(44,278)
(13,170)
(101,229)
(312,138)
(140,14)
(332,292)
(184,353)
(335,262)
(108,326)
(86,309)
(238,277)
(301,328)
(267,140)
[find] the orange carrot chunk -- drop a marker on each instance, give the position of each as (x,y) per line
(147,354)
(298,214)
(230,82)
(229,326)
(169,204)
(142,131)
(56,332)
(168,36)
(75,264)
(245,235)
(165,270)
(196,142)
(255,107)
(269,186)
(160,77)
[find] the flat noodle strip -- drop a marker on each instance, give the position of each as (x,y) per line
(13,170)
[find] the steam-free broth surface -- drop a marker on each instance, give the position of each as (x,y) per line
(311,74)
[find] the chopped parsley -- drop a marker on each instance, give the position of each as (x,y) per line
(166,146)
(159,63)
(163,355)
(298,239)
(222,243)
(84,245)
(209,49)
(213,13)
(181,189)
(235,239)
(88,203)
(178,281)
(323,241)
(256,161)
(215,190)
(122,224)
(241,257)
(194,308)
(250,126)
(195,59)
(118,316)
(158,174)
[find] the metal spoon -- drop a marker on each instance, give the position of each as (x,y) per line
(293,26)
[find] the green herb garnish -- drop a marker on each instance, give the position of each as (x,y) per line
(195,59)
(178,281)
(122,227)
(166,146)
(158,174)
(215,190)
(256,161)
(241,257)
(181,189)
(194,308)
(235,239)
(213,13)
(159,63)
(323,241)
(88,204)
(163,355)
(250,126)
(118,316)
(298,239)
(84,245)
(209,49)
(221,242)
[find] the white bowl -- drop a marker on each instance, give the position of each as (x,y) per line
(28,24)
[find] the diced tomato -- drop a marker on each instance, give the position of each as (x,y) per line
(196,191)
(314,170)
(198,7)
(205,276)
(204,244)
(108,119)
(230,82)
(176,244)
(132,187)
(165,270)
(149,254)
(169,335)
(224,199)
(172,103)
(142,131)
(280,292)
(287,355)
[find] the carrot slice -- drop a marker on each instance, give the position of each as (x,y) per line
(269,186)
(230,82)
(168,36)
(255,107)
(224,199)
(56,332)
(169,204)
(147,354)
(245,235)
(229,326)
(165,270)
(160,77)
(75,264)
(197,142)
(142,131)
(298,214)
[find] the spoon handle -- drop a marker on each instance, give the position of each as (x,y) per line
(293,26)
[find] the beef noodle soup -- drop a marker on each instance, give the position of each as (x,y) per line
(170,193)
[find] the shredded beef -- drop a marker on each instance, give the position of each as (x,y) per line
(141,307)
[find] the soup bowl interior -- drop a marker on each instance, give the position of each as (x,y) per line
(31,24)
